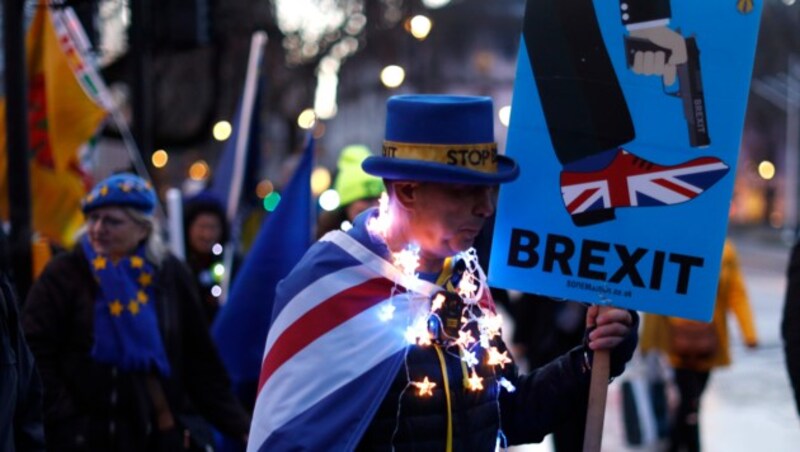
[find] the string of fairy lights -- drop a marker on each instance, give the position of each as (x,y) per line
(425,329)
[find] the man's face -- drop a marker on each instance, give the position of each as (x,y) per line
(446,218)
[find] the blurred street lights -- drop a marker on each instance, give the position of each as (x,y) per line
(419,26)
(393,76)
(433,4)
(783,91)
(159,158)
(222,130)
(306,119)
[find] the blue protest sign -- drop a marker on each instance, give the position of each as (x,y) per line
(626,121)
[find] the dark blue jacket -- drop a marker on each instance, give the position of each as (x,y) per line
(543,399)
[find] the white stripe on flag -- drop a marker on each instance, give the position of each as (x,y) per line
(343,353)
(314,294)
(380,265)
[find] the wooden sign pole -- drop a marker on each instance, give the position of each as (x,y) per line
(596,410)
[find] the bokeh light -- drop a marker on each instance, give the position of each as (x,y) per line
(766,170)
(222,130)
(329,200)
(199,170)
(419,26)
(392,76)
(433,4)
(218,270)
(264,188)
(504,114)
(306,119)
(320,180)
(160,158)
(271,201)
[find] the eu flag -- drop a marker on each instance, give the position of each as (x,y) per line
(240,328)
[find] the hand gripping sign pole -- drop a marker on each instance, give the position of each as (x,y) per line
(615,164)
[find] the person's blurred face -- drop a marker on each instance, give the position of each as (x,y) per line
(204,232)
(446,218)
(113,232)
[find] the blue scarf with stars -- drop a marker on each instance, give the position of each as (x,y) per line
(126,331)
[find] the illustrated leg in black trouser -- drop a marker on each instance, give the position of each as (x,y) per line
(588,119)
(685,435)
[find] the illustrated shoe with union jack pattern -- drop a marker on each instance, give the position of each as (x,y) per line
(630,181)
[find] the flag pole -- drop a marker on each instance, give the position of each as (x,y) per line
(257,43)
(17,168)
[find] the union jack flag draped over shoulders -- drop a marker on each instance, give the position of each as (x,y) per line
(332,352)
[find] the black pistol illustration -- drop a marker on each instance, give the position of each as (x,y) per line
(690,88)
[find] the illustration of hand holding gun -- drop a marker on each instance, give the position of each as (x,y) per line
(587,116)
(662,51)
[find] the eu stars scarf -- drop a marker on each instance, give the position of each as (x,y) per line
(126,330)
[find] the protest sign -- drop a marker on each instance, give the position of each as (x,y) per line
(626,121)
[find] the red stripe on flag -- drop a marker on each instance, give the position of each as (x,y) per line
(324,317)
(676,188)
(577,202)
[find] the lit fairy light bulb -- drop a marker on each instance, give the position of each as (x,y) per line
(407,260)
(490,325)
(437,302)
(424,339)
(469,358)
(346,226)
(507,385)
(467,286)
(424,387)
(465,339)
(474,382)
(386,312)
(497,359)
(417,332)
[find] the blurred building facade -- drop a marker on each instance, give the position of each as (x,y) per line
(197,53)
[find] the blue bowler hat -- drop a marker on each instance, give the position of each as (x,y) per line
(441,138)
(121,190)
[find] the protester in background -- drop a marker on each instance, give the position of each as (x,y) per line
(21,427)
(696,348)
(545,329)
(204,226)
(120,337)
(343,370)
(357,190)
(790,324)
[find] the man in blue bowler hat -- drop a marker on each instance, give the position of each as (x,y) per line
(386,337)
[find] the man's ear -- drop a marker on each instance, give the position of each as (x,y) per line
(406,193)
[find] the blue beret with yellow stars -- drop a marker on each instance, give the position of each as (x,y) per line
(121,190)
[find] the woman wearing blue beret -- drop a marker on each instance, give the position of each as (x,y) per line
(121,340)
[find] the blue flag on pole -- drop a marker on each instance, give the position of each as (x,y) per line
(240,328)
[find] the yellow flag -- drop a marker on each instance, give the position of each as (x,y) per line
(64,113)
